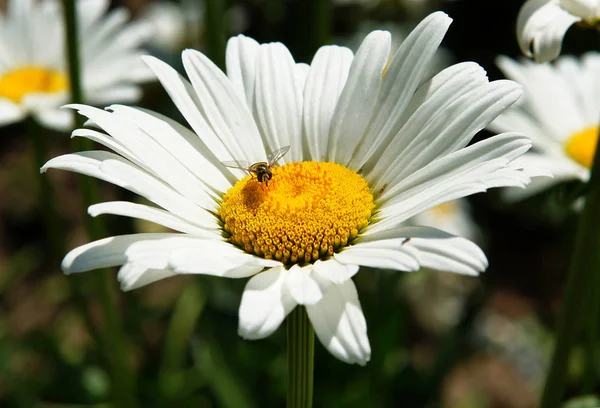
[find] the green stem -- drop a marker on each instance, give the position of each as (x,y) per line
(590,378)
(585,263)
(112,338)
(54,233)
(73,58)
(214,21)
(301,347)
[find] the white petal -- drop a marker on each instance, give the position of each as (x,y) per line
(383,255)
(10,112)
(301,71)
(518,120)
(304,285)
(436,249)
(334,271)
(357,100)
(133,276)
(402,77)
(58,119)
(217,258)
(561,169)
(123,41)
(128,93)
(241,62)
(432,101)
(184,97)
(163,255)
(155,157)
(455,218)
(448,131)
(542,23)
(113,251)
(116,170)
(90,11)
(155,215)
(467,171)
(223,109)
(98,34)
(589,10)
(183,144)
(277,100)
(549,99)
(112,80)
(265,304)
(340,325)
(326,79)
(140,182)
(108,141)
(536,165)
(451,254)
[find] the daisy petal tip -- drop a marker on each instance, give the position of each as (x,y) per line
(364,360)
(377,36)
(48,165)
(254,333)
(247,335)
(442,17)
(73,106)
(93,210)
(67,263)
(153,63)
(189,54)
(148,59)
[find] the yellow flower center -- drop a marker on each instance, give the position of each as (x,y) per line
(17,83)
(308,211)
(582,146)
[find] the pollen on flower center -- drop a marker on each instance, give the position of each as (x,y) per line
(17,83)
(308,211)
(582,146)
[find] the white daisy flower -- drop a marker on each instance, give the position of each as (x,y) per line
(542,24)
(33,65)
(367,152)
(559,112)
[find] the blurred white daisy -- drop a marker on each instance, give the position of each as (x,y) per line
(33,67)
(368,150)
(559,111)
(168,20)
(542,24)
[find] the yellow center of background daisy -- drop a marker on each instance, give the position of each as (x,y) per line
(307,212)
(582,146)
(17,83)
(446,209)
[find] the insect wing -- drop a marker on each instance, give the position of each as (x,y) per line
(276,155)
(237,164)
